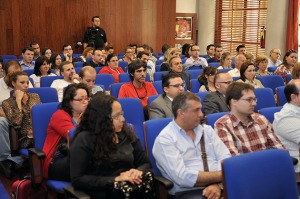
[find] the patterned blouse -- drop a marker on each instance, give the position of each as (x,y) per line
(21,118)
(282,71)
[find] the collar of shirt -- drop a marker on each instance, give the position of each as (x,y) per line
(293,108)
(198,130)
(169,98)
(236,121)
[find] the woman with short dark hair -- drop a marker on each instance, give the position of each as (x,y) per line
(41,69)
(248,75)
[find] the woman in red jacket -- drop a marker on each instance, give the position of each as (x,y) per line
(75,101)
(112,68)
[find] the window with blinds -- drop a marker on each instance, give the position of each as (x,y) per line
(240,22)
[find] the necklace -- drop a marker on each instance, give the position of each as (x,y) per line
(137,92)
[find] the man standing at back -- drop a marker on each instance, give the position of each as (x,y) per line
(70,76)
(189,154)
(161,107)
(215,102)
(243,130)
(95,36)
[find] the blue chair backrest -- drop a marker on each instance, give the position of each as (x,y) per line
(160,54)
(224,70)
(47,94)
(9,57)
(214,64)
(115,88)
(134,114)
(269,112)
(212,118)
(272,69)
(235,78)
(124,77)
(105,79)
(158,75)
(77,54)
(271,81)
(269,172)
(288,78)
(98,68)
(157,68)
(152,129)
(77,69)
(41,115)
(281,99)
(152,98)
(265,98)
(158,86)
(195,73)
(78,64)
(159,62)
(195,85)
(123,65)
(29,71)
(202,96)
(46,81)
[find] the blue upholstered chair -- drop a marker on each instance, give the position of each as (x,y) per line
(123,65)
(195,85)
(224,70)
(202,96)
(115,88)
(212,118)
(195,73)
(260,175)
(152,98)
(281,99)
(269,112)
(265,98)
(214,64)
(158,75)
(288,78)
(77,69)
(272,69)
(105,79)
(47,94)
(124,77)
(46,81)
(29,71)
(78,64)
(158,86)
(271,81)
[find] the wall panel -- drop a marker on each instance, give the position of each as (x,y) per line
(56,22)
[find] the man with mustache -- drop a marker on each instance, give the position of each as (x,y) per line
(242,130)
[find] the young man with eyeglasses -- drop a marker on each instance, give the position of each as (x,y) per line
(194,59)
(138,87)
(161,107)
(215,102)
(243,130)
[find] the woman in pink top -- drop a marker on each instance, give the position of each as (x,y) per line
(112,68)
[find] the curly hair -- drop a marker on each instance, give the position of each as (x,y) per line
(97,120)
(69,94)
(38,63)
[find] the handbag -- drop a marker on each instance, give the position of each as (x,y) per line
(126,190)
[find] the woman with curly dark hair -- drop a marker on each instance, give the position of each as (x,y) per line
(41,68)
(206,79)
(105,151)
(56,165)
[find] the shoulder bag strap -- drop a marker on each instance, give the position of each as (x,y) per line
(203,152)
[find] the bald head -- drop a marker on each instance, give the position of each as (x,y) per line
(221,81)
(239,60)
(88,76)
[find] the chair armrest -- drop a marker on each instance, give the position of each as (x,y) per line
(70,192)
(14,139)
(164,181)
(36,165)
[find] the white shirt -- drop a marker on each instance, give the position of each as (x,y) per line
(191,62)
(277,63)
(59,85)
(234,72)
(37,79)
(286,126)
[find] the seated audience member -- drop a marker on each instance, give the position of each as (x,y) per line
(47,52)
(7,162)
(87,53)
(36,48)
(239,60)
(171,52)
(41,68)
(248,75)
(128,55)
(175,64)
(98,59)
(286,123)
(56,165)
(178,148)
(275,54)
(243,130)
(109,49)
(164,48)
(17,107)
(139,49)
(249,57)
(104,148)
(112,68)
(240,50)
(148,49)
(138,87)
(215,102)
(218,55)
(206,79)
(296,72)
(142,55)
(261,62)
(290,58)
(210,51)
(133,48)
(55,61)
(87,75)
(70,76)
(68,54)
(161,107)
(1,67)
(225,61)
(27,61)
(194,59)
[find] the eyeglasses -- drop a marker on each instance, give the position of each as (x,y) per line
(82,99)
(178,85)
(228,82)
(118,116)
(250,100)
(196,50)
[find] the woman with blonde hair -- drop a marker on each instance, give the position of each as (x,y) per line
(296,71)
(172,52)
(225,61)
(87,53)
(261,62)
